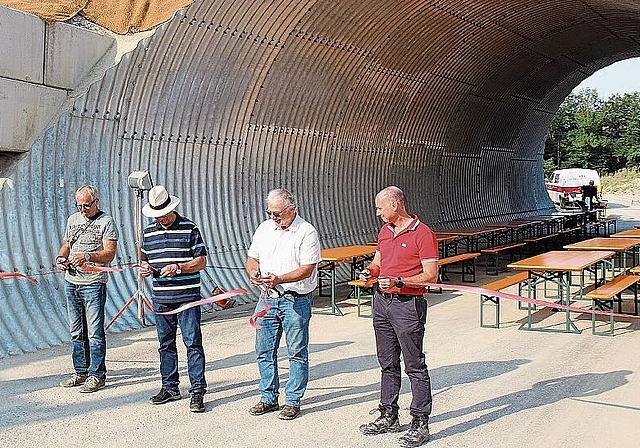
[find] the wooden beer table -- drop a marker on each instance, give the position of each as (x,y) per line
(356,255)
(621,246)
(631,233)
(558,267)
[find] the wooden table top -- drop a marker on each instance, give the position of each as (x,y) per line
(562,260)
(345,252)
(445,238)
(602,243)
(631,233)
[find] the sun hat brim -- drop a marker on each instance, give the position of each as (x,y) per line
(155,213)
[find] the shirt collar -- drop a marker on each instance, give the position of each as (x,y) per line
(411,227)
(173,226)
(295,225)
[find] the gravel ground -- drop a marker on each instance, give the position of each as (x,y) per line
(492,387)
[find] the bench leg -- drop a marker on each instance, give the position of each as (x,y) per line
(529,305)
(491,268)
(490,301)
(603,305)
(469,268)
(362,298)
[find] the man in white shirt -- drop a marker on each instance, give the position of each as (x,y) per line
(282,260)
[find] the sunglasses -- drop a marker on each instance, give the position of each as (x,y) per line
(277,214)
(85,206)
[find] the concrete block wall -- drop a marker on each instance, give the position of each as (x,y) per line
(43,67)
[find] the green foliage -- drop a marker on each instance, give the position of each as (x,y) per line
(625,181)
(588,132)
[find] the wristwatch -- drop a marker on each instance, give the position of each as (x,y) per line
(178,269)
(399,283)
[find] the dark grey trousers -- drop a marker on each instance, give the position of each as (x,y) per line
(399,323)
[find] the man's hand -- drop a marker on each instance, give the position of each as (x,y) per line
(170,270)
(145,269)
(270,280)
(255,279)
(61,263)
(386,282)
(77,259)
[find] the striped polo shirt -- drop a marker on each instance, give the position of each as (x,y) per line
(179,243)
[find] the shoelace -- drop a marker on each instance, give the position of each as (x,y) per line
(92,381)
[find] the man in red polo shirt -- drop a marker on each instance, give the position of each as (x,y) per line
(407,255)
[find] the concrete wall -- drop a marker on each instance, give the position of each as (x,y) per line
(42,68)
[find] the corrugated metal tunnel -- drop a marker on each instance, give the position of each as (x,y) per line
(449,100)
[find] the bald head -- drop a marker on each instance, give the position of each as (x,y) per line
(393,194)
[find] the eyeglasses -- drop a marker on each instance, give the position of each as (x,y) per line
(277,214)
(85,206)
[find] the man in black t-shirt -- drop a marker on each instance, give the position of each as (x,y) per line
(589,193)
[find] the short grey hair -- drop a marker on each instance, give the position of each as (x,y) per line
(283,195)
(394,194)
(91,190)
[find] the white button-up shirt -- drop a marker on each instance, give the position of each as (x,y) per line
(281,251)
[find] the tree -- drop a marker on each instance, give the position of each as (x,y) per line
(621,124)
(588,132)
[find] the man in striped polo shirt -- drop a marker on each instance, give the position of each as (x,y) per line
(174,253)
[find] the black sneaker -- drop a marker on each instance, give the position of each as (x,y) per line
(289,412)
(385,423)
(165,396)
(417,435)
(263,408)
(197,402)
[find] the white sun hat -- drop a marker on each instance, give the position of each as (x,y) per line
(160,203)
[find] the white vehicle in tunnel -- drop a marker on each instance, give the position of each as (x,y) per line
(565,186)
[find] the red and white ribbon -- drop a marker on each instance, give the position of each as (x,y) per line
(213,299)
(259,314)
(17,275)
(505,295)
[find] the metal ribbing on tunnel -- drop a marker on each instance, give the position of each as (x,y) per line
(331,99)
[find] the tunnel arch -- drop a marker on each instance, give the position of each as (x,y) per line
(334,100)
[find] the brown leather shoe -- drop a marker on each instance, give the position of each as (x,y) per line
(263,408)
(289,412)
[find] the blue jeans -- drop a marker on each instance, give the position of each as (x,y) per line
(166,327)
(291,314)
(85,307)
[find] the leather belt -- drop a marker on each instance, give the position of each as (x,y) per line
(391,295)
(294,293)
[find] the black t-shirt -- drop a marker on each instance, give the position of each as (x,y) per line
(589,191)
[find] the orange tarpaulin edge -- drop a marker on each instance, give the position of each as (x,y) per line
(48,10)
(130,16)
(119,16)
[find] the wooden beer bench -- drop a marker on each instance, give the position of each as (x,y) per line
(364,292)
(493,254)
(606,295)
(498,285)
(468,263)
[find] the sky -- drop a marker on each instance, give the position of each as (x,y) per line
(619,78)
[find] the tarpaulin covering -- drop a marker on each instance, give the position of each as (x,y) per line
(119,16)
(48,10)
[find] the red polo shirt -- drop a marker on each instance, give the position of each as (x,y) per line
(402,255)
